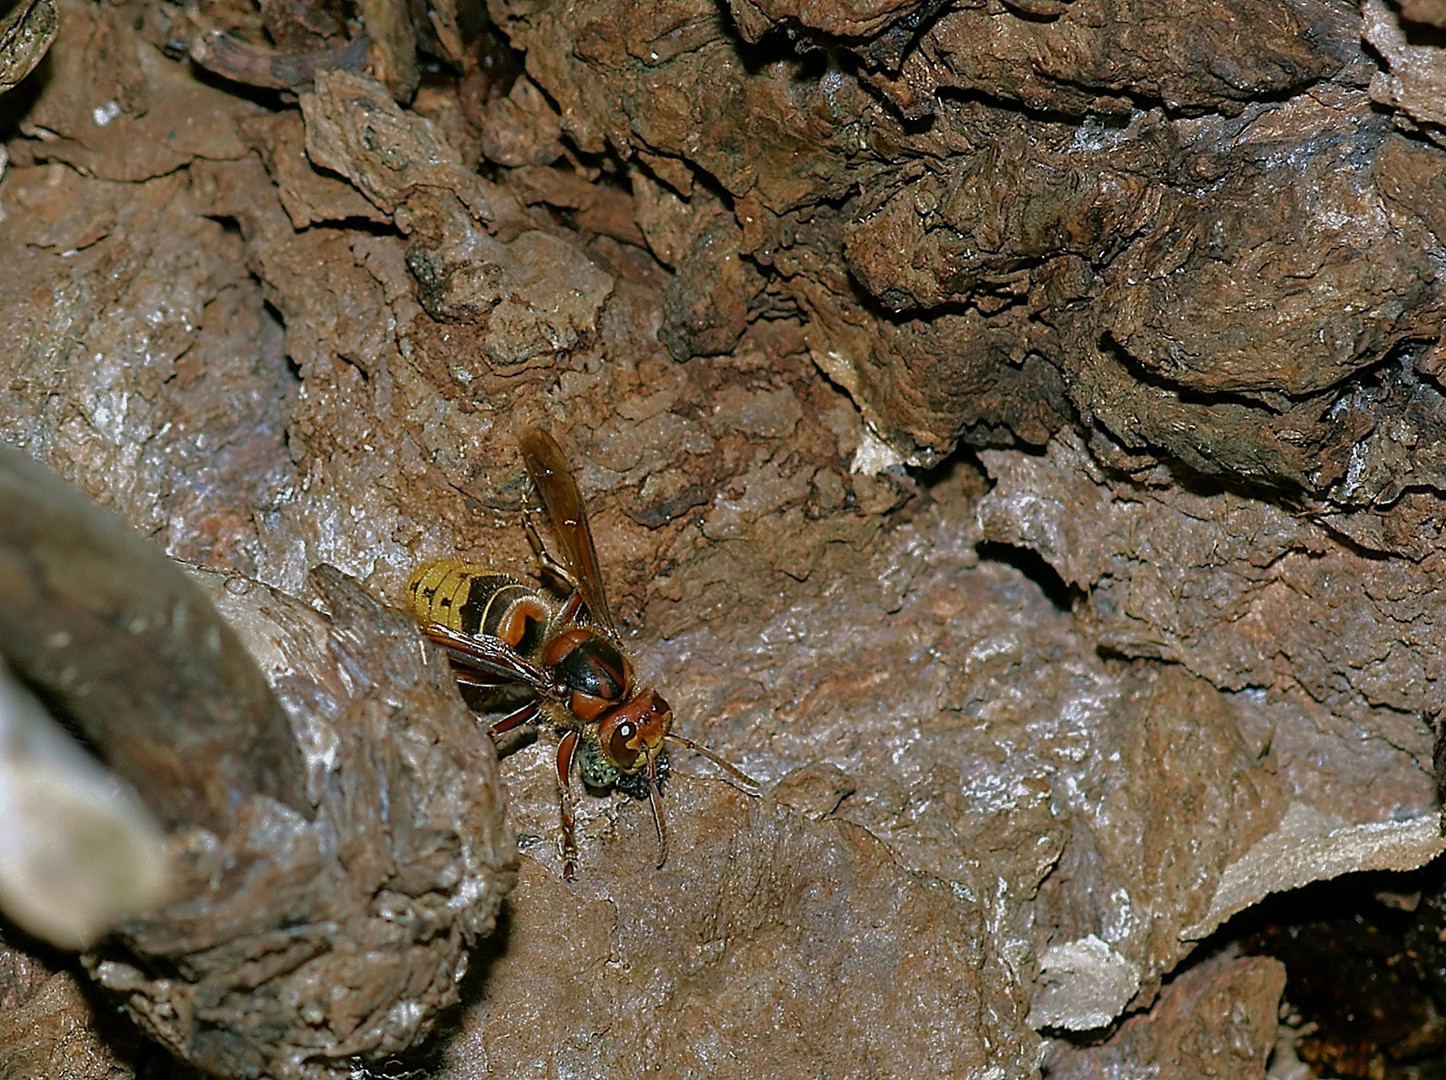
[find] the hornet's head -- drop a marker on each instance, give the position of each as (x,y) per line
(631,735)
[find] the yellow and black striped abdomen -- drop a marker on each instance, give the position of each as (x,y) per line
(479,602)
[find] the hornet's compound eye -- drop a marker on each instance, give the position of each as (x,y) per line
(623,747)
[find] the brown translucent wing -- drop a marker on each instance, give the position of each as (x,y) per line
(551,474)
(490,657)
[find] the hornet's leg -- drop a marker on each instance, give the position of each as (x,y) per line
(475,679)
(551,567)
(568,615)
(539,550)
(515,719)
(565,751)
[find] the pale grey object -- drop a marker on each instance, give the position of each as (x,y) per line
(79,852)
(1414,78)
(1313,846)
(1084,984)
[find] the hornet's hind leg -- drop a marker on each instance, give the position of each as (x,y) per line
(554,569)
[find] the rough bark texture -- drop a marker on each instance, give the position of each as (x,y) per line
(334,854)
(300,948)
(1160,637)
(151,674)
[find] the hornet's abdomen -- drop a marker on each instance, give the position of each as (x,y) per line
(479,602)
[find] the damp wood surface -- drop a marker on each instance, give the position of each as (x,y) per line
(1012,431)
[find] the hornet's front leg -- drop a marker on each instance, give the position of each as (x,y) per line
(566,750)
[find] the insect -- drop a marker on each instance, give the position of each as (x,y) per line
(562,646)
